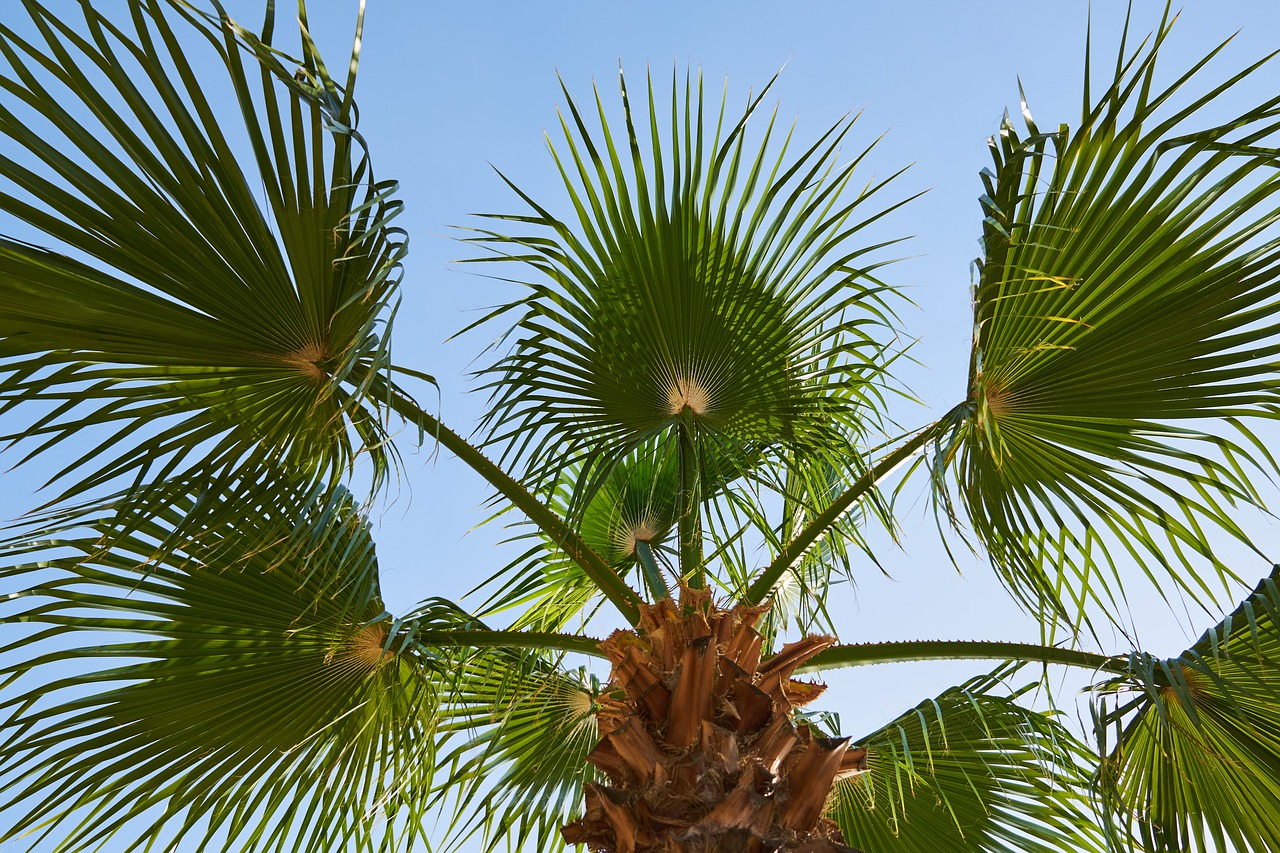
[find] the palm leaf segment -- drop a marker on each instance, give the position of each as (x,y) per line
(799,596)
(1130,283)
(244,691)
(694,289)
(969,771)
(233,312)
(1196,760)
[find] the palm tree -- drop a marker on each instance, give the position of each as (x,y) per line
(696,376)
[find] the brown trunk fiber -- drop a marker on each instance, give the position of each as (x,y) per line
(699,746)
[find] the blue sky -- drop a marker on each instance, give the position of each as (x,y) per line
(450,91)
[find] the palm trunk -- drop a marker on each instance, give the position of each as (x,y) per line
(700,748)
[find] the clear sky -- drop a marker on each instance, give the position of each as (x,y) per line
(448,89)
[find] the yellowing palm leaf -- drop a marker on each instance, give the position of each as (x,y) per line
(1124,331)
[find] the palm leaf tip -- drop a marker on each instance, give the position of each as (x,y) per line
(1124,336)
(240,690)
(1196,757)
(235,311)
(697,280)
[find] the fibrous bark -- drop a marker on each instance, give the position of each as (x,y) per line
(700,748)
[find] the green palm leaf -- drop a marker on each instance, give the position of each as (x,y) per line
(635,503)
(208,324)
(633,506)
(705,283)
(241,692)
(969,771)
(1196,760)
(1124,331)
(522,732)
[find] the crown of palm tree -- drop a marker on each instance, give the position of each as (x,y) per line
(693,380)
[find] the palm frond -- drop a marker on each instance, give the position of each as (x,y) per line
(1125,334)
(703,276)
(204,323)
(636,502)
(522,731)
(241,692)
(969,771)
(1196,758)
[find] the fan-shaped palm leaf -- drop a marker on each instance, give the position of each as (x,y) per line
(523,732)
(632,511)
(240,692)
(628,519)
(969,771)
(214,324)
(635,504)
(1127,295)
(706,285)
(1196,760)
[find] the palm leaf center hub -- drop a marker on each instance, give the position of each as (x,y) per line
(367,648)
(307,358)
(687,392)
(647,528)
